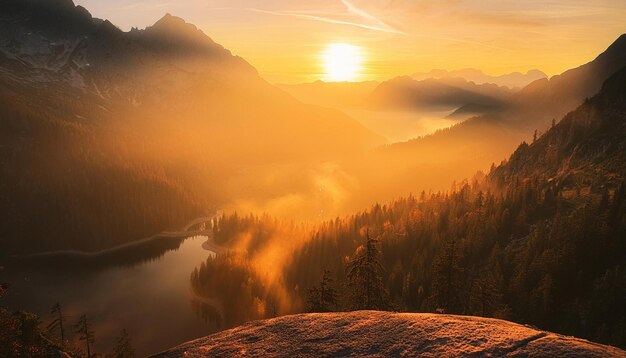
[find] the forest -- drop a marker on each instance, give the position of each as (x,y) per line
(538,240)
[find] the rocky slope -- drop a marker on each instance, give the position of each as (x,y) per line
(385,334)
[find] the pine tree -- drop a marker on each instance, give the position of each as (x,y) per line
(82,328)
(446,292)
(484,297)
(58,321)
(365,278)
(324,297)
(123,348)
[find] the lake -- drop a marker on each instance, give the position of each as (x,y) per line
(149,297)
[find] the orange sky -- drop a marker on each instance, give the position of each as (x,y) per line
(284,39)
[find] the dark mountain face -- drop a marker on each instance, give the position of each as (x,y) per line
(56,19)
(588,147)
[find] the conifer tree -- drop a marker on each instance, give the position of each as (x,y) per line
(57,323)
(85,334)
(123,348)
(323,298)
(365,278)
(446,292)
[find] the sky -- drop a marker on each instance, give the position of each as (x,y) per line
(286,39)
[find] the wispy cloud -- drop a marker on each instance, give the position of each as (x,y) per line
(369,17)
(371,22)
(146,6)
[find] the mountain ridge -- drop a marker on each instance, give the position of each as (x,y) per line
(511,80)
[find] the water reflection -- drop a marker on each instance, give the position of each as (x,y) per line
(227,292)
(144,251)
(145,292)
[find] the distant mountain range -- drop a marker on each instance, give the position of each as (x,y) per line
(467,92)
(478,142)
(446,93)
(512,80)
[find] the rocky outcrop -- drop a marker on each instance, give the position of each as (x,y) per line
(386,334)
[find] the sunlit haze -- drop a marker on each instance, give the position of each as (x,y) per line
(282,178)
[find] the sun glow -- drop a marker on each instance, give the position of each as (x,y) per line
(342,62)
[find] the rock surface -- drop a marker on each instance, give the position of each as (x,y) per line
(372,333)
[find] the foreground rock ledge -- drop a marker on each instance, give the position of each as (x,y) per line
(373,333)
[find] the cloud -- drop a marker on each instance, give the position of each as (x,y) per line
(371,22)
(380,23)
(146,6)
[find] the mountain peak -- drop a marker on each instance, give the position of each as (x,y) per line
(177,31)
(169,20)
(617,47)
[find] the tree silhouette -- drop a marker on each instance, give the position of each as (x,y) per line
(365,277)
(447,280)
(82,328)
(123,348)
(57,323)
(324,297)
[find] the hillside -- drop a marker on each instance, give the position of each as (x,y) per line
(372,333)
(587,147)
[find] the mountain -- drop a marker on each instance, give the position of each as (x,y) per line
(372,333)
(588,146)
(480,141)
(512,80)
(555,96)
(109,136)
(448,93)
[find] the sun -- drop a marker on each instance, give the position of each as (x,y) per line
(342,62)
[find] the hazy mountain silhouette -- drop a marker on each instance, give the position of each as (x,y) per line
(555,96)
(511,80)
(448,93)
